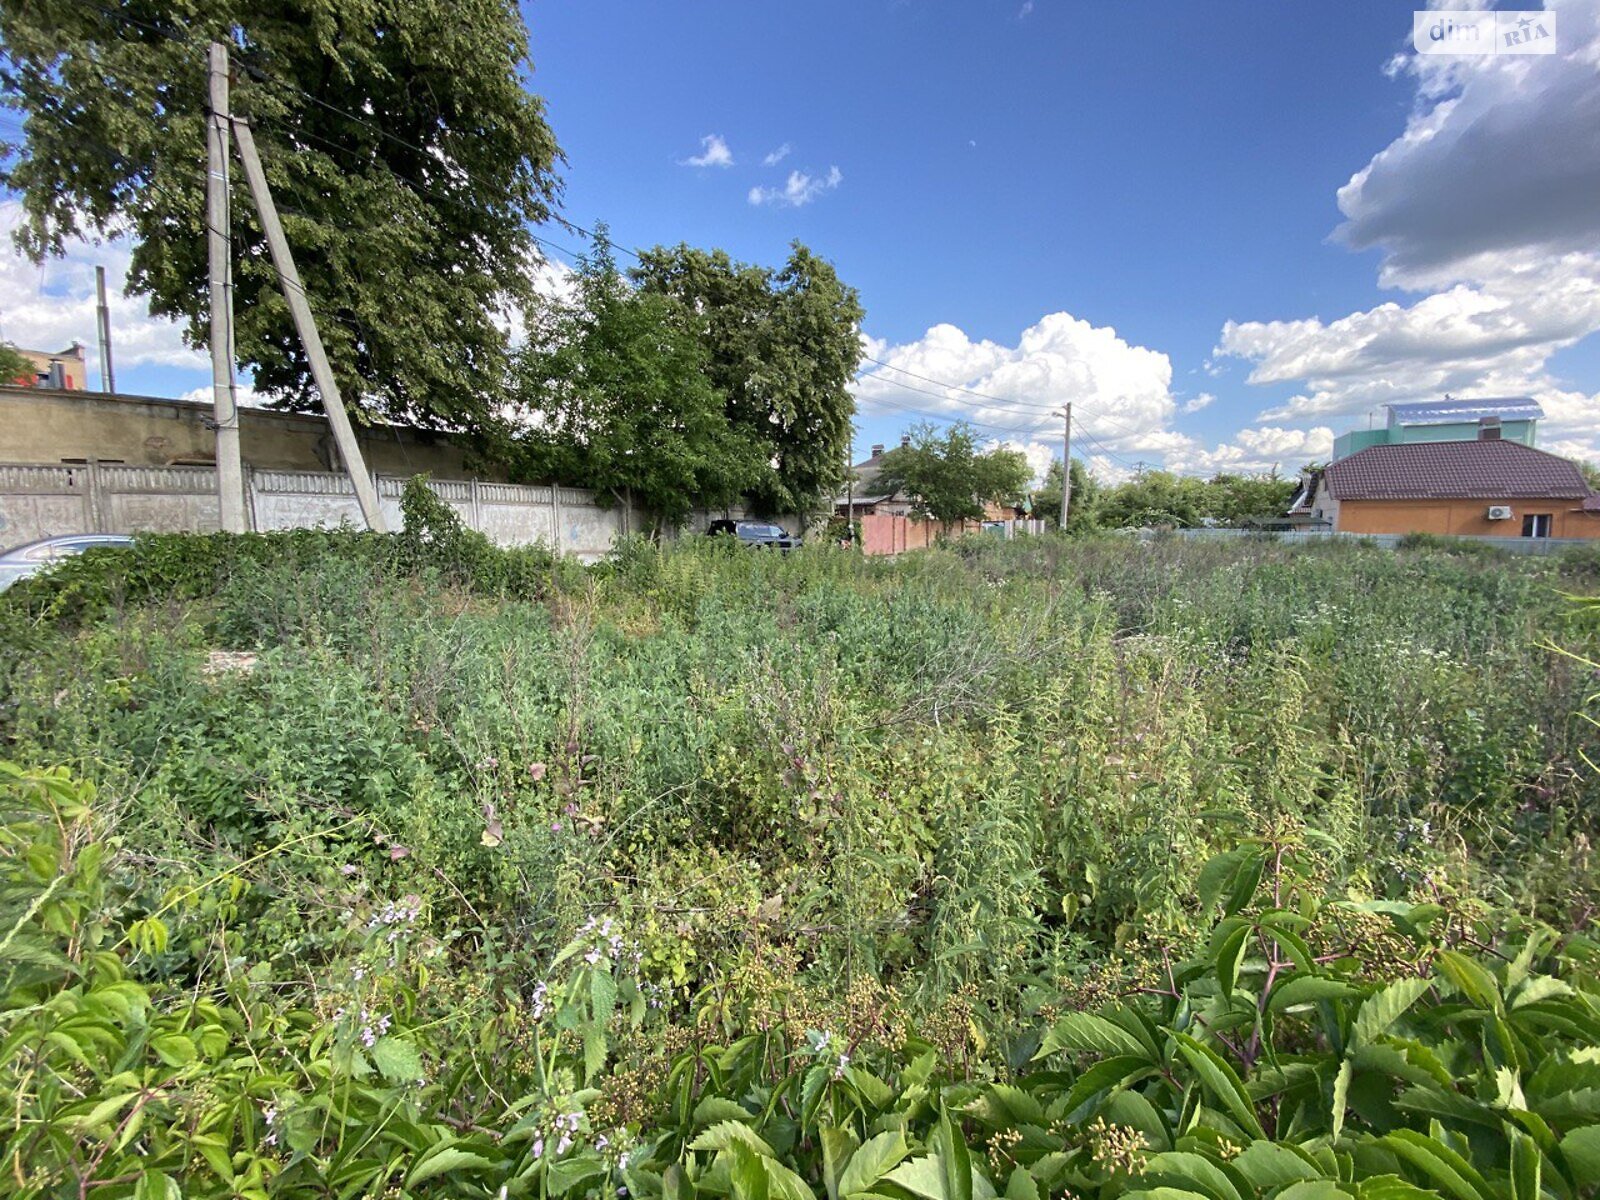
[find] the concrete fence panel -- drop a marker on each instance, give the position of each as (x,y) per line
(514,515)
(156,499)
(308,500)
(39,502)
(42,501)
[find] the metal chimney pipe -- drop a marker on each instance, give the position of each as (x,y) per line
(108,378)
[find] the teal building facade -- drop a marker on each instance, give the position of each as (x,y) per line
(1511,419)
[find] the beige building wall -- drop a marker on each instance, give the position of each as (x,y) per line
(73,367)
(1462,518)
(43,426)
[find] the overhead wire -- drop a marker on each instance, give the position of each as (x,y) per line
(1029,430)
(1080,405)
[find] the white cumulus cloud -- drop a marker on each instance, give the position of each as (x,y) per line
(799,189)
(1500,157)
(714,152)
(778,155)
(1255,451)
(1120,392)
(49,307)
(1123,406)
(1484,208)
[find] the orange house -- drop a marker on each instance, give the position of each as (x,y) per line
(1482,488)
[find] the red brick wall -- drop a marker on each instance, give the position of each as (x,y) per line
(884,533)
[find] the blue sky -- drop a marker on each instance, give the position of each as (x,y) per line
(1159,169)
(1130,206)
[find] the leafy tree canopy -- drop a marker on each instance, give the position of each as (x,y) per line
(400,143)
(1085,494)
(946,475)
(1162,498)
(626,403)
(782,346)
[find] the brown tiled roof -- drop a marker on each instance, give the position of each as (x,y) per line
(1483,470)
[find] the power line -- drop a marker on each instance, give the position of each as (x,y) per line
(918,412)
(1028,430)
(954,387)
(924,392)
(1024,431)
(1052,409)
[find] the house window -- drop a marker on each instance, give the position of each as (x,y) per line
(1536,525)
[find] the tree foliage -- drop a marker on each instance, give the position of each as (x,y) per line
(1163,498)
(13,367)
(782,345)
(626,402)
(946,475)
(402,147)
(1085,495)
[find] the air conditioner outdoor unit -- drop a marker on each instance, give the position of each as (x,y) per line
(1499,512)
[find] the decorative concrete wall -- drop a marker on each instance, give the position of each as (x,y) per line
(42,501)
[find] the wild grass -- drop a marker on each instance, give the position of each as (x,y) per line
(978,767)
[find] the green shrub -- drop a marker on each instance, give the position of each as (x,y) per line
(1305,1041)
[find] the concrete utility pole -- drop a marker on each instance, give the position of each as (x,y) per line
(108,377)
(1066,466)
(294,293)
(230,469)
(850,486)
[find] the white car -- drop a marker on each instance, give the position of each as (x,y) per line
(32,557)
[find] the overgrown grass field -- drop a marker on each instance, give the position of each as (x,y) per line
(400,864)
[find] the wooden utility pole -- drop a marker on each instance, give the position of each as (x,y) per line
(230,468)
(1066,466)
(294,293)
(108,377)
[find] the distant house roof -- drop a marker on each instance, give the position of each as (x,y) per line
(1448,412)
(861,501)
(866,477)
(1480,470)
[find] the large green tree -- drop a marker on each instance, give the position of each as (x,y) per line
(403,148)
(948,477)
(624,401)
(782,348)
(1162,498)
